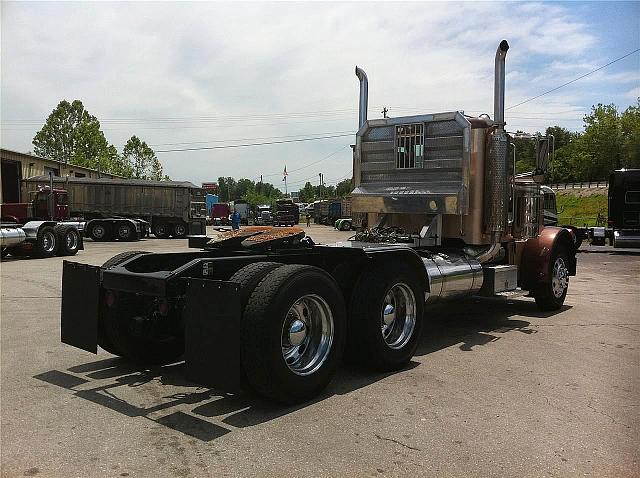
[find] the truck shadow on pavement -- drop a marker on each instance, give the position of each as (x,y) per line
(207,414)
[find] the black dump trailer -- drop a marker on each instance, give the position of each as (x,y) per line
(287,213)
(624,207)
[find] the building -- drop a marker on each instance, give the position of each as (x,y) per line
(18,166)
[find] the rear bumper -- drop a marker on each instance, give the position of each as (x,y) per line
(626,238)
(211,316)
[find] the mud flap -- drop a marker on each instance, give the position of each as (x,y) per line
(212,334)
(80,305)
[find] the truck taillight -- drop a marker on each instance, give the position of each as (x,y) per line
(109,298)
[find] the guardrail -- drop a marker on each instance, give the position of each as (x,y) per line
(580,185)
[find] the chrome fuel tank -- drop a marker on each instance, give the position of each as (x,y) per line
(451,275)
(11,236)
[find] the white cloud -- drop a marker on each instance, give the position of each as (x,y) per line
(239,67)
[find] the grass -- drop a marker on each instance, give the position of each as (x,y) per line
(581,210)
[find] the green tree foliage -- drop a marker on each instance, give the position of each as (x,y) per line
(609,141)
(72,135)
(344,188)
(142,160)
(254,193)
(307,193)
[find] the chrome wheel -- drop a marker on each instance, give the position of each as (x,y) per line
(307,334)
(560,278)
(124,231)
(72,241)
(49,241)
(398,316)
(99,231)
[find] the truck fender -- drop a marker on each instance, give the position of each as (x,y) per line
(537,254)
(31,228)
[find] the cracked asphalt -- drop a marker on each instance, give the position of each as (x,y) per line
(496,389)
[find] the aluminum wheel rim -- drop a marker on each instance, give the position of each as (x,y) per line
(560,279)
(307,334)
(72,241)
(124,231)
(48,241)
(180,230)
(398,316)
(99,232)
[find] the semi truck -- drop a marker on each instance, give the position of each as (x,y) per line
(287,213)
(121,208)
(269,310)
(40,239)
(623,217)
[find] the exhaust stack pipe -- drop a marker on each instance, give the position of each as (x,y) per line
(496,190)
(498,87)
(364,96)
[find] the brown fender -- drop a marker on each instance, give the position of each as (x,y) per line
(537,254)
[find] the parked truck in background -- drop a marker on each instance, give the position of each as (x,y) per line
(171,208)
(241,207)
(263,215)
(220,213)
(623,217)
(287,213)
(272,309)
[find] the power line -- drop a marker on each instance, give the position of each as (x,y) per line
(252,139)
(246,145)
(575,79)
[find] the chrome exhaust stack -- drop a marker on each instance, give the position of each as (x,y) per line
(496,173)
(364,96)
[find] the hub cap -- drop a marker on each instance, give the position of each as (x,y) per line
(180,230)
(72,241)
(560,279)
(124,231)
(98,232)
(307,334)
(398,316)
(49,241)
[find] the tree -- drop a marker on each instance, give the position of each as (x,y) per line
(142,160)
(71,135)
(307,193)
(602,141)
(344,188)
(630,132)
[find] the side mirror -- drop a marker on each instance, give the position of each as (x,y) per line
(542,160)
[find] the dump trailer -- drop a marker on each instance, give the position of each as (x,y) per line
(268,308)
(287,213)
(172,208)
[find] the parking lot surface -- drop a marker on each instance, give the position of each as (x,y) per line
(497,388)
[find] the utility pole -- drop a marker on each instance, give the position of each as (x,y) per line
(320,185)
(384,112)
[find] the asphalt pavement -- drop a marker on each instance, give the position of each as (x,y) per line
(497,388)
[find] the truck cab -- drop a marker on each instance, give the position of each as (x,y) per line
(43,202)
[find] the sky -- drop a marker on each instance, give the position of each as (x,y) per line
(185,75)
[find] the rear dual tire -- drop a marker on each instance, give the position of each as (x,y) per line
(293,329)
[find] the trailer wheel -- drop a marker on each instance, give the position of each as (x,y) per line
(120,258)
(69,240)
(249,276)
(293,332)
(386,311)
(551,295)
(179,230)
(100,231)
(46,243)
(161,230)
(125,232)
(345,226)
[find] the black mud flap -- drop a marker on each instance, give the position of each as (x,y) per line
(80,305)
(212,334)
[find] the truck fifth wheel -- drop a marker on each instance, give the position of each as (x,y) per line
(449,220)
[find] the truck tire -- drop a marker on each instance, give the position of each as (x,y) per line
(100,231)
(551,295)
(387,316)
(68,240)
(125,231)
(130,333)
(345,226)
(120,258)
(249,276)
(46,242)
(293,330)
(179,230)
(161,230)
